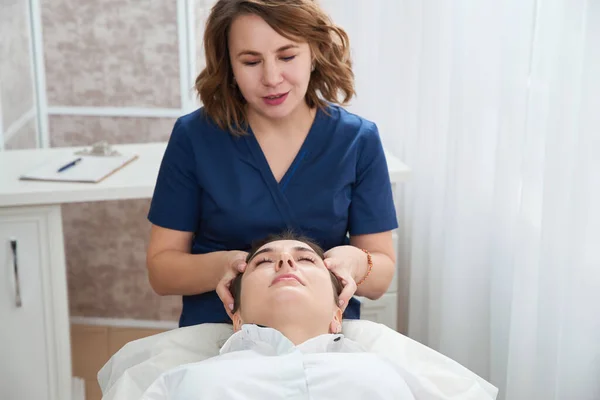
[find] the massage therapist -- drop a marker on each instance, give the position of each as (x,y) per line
(272,149)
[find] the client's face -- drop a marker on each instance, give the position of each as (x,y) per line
(286,275)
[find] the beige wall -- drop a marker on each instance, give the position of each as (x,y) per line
(17,98)
(118,54)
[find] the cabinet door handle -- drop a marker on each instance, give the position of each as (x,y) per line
(13,246)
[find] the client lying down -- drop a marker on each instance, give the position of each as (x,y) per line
(287,342)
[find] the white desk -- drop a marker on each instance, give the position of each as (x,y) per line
(35,337)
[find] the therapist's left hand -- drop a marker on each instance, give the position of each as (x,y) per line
(346,262)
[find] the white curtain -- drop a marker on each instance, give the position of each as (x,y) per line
(495,105)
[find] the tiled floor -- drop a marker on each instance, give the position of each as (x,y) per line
(91,348)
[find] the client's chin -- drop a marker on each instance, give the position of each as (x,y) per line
(285,292)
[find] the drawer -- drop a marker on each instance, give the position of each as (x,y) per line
(23,334)
(35,333)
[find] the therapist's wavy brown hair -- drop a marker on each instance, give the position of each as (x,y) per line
(297,20)
(236,284)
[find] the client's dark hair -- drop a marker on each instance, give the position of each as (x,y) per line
(236,284)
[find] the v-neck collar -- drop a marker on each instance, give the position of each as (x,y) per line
(304,151)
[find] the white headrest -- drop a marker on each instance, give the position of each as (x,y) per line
(133,368)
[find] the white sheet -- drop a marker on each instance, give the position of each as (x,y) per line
(138,364)
(260,363)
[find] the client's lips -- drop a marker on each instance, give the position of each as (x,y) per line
(274,96)
(282,277)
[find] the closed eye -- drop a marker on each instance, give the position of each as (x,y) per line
(263,261)
(286,59)
(306,258)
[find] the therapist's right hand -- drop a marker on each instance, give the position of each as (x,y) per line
(235,264)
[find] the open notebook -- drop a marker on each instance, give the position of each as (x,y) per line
(91,169)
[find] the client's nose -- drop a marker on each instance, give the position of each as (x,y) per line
(286,260)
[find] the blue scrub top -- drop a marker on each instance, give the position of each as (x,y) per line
(221,188)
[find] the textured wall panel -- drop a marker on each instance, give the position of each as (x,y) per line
(106,244)
(111,53)
(71,130)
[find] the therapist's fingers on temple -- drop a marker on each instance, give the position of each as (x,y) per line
(347,292)
(335,264)
(238,261)
(224,292)
(345,278)
(332,264)
(241,267)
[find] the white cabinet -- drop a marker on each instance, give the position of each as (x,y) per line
(383,310)
(34,332)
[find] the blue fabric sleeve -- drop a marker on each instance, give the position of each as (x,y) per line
(372,207)
(176,200)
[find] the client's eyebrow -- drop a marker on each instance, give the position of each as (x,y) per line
(300,248)
(264,250)
(270,250)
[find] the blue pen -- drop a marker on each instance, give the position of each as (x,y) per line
(69,165)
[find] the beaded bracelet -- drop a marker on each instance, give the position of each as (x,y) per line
(370,264)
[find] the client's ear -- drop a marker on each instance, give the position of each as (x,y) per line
(335,326)
(237,321)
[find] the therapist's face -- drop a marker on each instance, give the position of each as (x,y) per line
(266,64)
(287,276)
